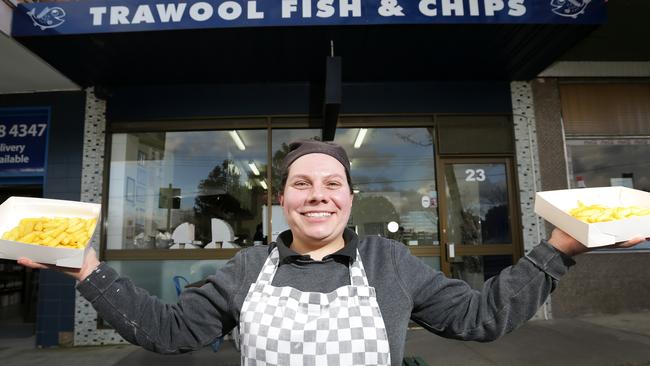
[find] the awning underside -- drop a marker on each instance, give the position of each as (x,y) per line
(297,54)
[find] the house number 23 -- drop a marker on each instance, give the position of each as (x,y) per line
(475,175)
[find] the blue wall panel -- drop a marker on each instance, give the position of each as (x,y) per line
(62,181)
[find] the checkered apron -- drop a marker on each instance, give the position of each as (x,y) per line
(284,326)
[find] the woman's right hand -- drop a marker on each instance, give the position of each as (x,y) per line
(89,264)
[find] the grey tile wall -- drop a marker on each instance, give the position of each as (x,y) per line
(85,329)
(528,170)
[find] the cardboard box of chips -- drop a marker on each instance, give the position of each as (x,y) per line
(46,230)
(597,216)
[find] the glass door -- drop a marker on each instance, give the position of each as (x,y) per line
(477,217)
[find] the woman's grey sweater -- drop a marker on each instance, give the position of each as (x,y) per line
(406,289)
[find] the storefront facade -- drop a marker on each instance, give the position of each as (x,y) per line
(604,136)
(182,144)
(592,116)
(219,168)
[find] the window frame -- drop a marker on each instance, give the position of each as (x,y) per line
(269,123)
(221,124)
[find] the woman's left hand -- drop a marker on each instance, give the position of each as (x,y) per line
(570,246)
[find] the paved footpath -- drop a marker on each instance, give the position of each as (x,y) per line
(620,340)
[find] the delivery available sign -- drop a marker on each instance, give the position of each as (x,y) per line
(23,141)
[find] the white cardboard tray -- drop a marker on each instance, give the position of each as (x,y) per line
(554,206)
(16,208)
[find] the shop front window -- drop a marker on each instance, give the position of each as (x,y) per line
(394,183)
(610,162)
(606,129)
(180,190)
(165,279)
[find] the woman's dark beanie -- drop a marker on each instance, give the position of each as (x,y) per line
(304,147)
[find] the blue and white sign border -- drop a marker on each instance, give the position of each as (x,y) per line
(98,16)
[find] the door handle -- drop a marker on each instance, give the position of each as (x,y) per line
(451,251)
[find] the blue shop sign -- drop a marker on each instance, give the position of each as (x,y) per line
(23,141)
(99,16)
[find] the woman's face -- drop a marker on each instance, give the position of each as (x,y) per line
(317,199)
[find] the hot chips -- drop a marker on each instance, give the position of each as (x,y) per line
(53,232)
(600,213)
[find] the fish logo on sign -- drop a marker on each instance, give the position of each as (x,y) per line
(569,8)
(48,17)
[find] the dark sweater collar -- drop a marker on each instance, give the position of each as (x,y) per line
(283,243)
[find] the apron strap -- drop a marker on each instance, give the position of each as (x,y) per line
(357,272)
(268,269)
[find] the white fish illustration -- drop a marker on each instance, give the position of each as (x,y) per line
(569,8)
(48,17)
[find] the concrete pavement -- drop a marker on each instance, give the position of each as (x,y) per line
(622,340)
(619,340)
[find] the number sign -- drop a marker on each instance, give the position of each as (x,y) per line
(23,141)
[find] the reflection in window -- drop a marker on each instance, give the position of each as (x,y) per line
(157,277)
(475,270)
(603,163)
(186,189)
(610,162)
(477,200)
(394,183)
(433,262)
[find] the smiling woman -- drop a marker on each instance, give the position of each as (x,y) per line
(317,200)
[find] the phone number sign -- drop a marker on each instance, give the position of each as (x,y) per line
(23,141)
